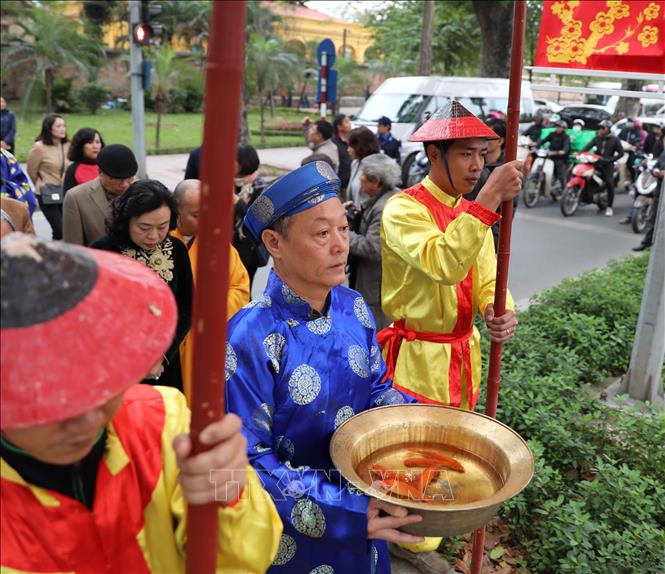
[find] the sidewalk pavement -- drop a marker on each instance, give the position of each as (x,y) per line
(170,169)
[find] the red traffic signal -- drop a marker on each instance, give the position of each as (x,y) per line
(142,34)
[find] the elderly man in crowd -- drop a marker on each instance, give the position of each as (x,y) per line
(379,178)
(188,197)
(87,206)
(14,217)
(318,136)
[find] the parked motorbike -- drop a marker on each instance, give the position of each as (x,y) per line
(541,180)
(418,170)
(586,185)
(645,187)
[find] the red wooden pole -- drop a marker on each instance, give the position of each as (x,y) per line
(224,76)
(503,254)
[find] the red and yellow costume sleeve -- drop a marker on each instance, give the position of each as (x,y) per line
(439,270)
(138,521)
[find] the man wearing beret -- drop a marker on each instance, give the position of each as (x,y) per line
(301,360)
(96,469)
(87,206)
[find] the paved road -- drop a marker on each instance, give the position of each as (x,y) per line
(546,247)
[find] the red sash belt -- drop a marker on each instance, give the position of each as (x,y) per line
(391,339)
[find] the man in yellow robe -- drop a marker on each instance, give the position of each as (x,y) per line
(188,196)
(439,266)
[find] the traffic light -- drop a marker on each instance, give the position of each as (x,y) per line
(144,31)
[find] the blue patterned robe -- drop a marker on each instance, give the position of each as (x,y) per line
(294,379)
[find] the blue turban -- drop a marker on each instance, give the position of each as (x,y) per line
(307,186)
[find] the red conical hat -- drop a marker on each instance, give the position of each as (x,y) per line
(452,122)
(79,327)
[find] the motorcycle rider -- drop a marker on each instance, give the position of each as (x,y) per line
(559,142)
(659,172)
(609,148)
(578,124)
(654,144)
(632,135)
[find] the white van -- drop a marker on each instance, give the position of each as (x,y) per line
(408,102)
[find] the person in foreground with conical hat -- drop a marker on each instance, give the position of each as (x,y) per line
(439,267)
(95,469)
(301,360)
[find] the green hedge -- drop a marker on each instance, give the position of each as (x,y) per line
(597,501)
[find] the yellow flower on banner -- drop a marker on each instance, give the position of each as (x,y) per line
(622,48)
(576,50)
(558,7)
(648,36)
(651,11)
(557,47)
(618,10)
(573,29)
(603,24)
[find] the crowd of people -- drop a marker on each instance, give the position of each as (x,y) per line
(110,460)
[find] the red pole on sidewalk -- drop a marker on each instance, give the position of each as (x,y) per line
(224,76)
(503,254)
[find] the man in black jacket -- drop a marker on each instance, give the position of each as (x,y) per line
(559,142)
(609,148)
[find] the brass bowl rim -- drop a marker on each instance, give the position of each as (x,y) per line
(485,503)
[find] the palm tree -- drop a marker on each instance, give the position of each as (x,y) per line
(167,70)
(48,41)
(268,61)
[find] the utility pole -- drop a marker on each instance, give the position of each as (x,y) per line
(642,382)
(136,74)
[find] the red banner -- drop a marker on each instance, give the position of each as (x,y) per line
(603,35)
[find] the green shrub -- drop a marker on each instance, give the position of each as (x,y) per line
(92,95)
(64,99)
(597,501)
(184,100)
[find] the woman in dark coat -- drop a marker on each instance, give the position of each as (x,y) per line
(139,226)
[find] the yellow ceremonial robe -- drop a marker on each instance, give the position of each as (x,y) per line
(421,268)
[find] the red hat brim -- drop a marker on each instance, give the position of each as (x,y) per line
(465,127)
(61,367)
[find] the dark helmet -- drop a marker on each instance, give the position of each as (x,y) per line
(605,124)
(561,123)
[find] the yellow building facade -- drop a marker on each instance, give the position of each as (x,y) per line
(300,25)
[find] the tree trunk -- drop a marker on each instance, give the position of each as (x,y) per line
(495,18)
(243,128)
(272,104)
(157,129)
(159,108)
(48,84)
(426,39)
(262,98)
(628,107)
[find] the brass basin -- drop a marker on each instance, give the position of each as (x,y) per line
(497,461)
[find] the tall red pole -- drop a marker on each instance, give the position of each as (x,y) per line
(224,76)
(505,229)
